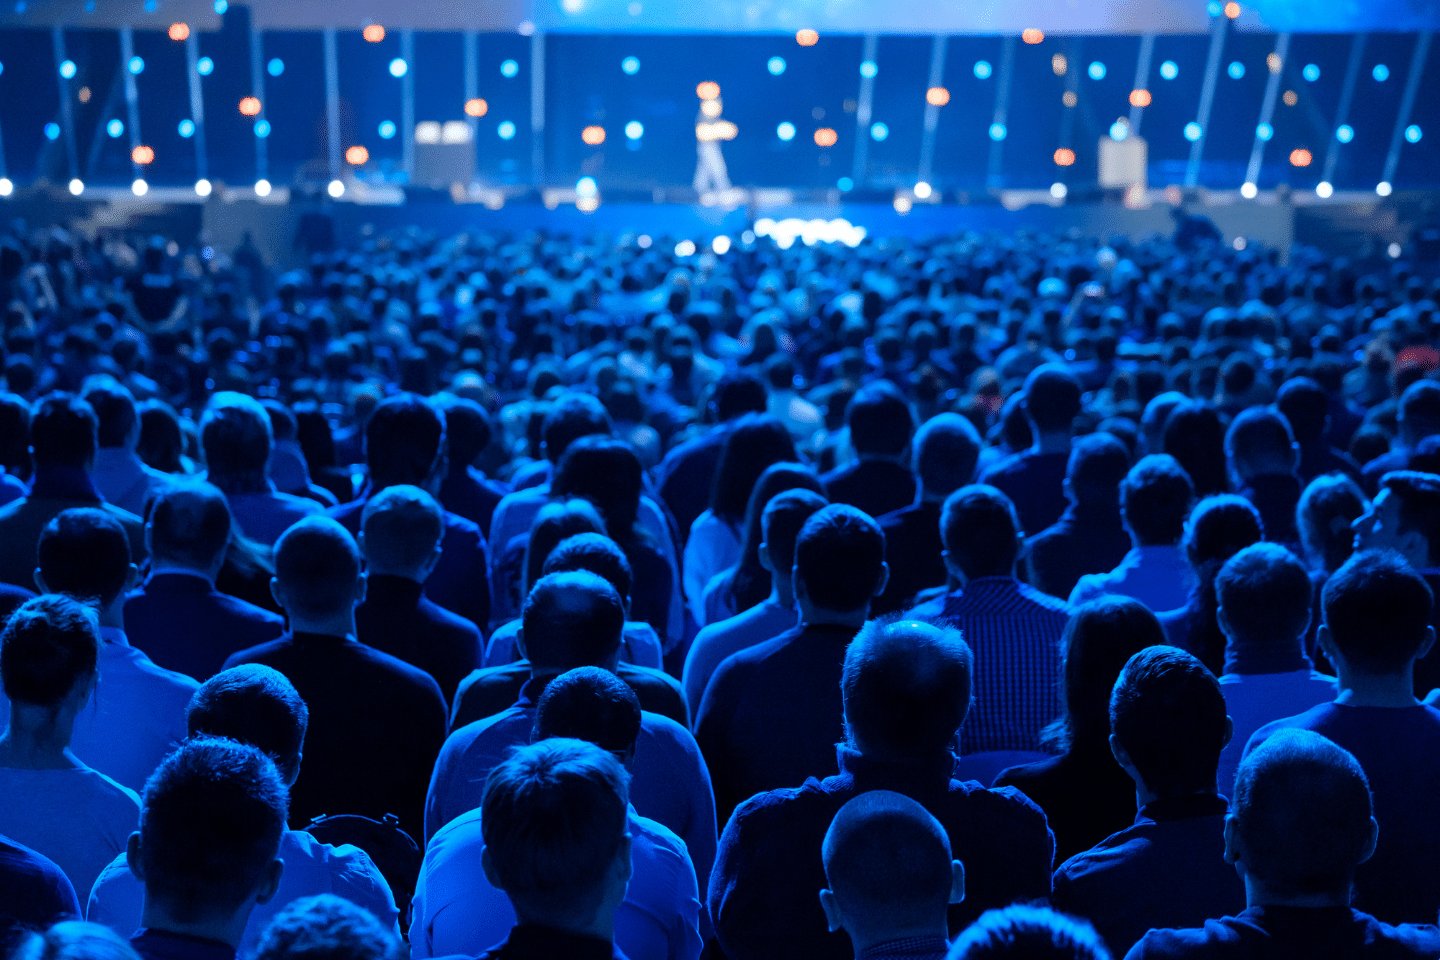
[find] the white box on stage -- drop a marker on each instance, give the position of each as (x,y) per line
(1123,162)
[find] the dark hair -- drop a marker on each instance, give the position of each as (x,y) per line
(755,442)
(1195,437)
(1302,813)
(1052,398)
(570,417)
(1028,933)
(906,686)
(114,407)
(326,927)
(590,704)
(64,431)
(1169,715)
(402,525)
(236,436)
(1266,594)
(947,447)
(404,441)
(553,818)
(15,435)
(1260,435)
(1220,527)
(84,552)
(557,521)
(317,564)
(467,428)
(49,643)
(748,581)
(598,554)
(1305,406)
(1100,637)
(162,440)
(1156,496)
(74,940)
(839,556)
(1324,514)
(1377,610)
(1097,466)
(738,393)
(1419,496)
(571,620)
(606,472)
(879,419)
(1419,409)
(256,705)
(785,516)
(888,859)
(980,531)
(189,524)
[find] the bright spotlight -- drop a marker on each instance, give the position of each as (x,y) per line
(187,128)
(336,189)
(1323,190)
(202,187)
(509,68)
(997,131)
(1383,188)
(1169,70)
(634,130)
(67,69)
(685,248)
(1344,133)
(1381,72)
(586,187)
(776,66)
(275,67)
(1248,190)
(923,190)
(983,69)
(721,245)
(1193,131)
(506,130)
(878,131)
(387,130)
(785,131)
(1059,191)
(136,65)
(869,69)
(139,187)
(631,65)
(398,67)
(262,188)
(115,128)
(204,66)
(77,187)
(6,187)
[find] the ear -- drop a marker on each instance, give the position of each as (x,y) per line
(624,862)
(520,644)
(132,577)
(1121,757)
(40,582)
(360,584)
(834,919)
(1229,731)
(1232,840)
(1326,642)
(1369,849)
(1223,622)
(274,870)
(957,881)
(764,552)
(800,592)
(883,581)
(132,856)
(278,592)
(487,866)
(1427,643)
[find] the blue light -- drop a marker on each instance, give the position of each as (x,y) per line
(1236,69)
(845,184)
(776,66)
(1119,130)
(509,68)
(786,131)
(1344,133)
(204,66)
(387,130)
(262,128)
(1097,71)
(586,187)
(1381,72)
(630,65)
(398,67)
(1264,131)
(89,6)
(1169,70)
(52,131)
(1193,131)
(150,6)
(136,65)
(115,128)
(1213,8)
(868,69)
(506,130)
(1311,72)
(222,5)
(67,69)
(1412,133)
(275,67)
(187,128)
(997,131)
(878,131)
(634,130)
(982,69)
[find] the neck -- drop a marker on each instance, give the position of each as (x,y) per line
(880,457)
(961,579)
(1257,894)
(1050,442)
(159,563)
(813,616)
(417,575)
(113,613)
(221,928)
(337,625)
(782,591)
(1368,690)
(923,495)
(38,738)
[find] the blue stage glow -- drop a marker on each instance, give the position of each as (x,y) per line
(506,130)
(786,130)
(136,65)
(277,66)
(997,131)
(1236,69)
(67,69)
(1264,131)
(1119,130)
(509,68)
(1311,72)
(187,128)
(634,130)
(387,130)
(115,128)
(52,131)
(982,69)
(222,5)
(262,128)
(1169,70)
(1097,71)
(776,66)
(868,69)
(845,184)
(1344,133)
(398,67)
(878,131)
(204,66)
(1192,131)
(630,65)
(1412,133)
(1381,72)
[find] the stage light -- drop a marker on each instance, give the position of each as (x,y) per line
(785,131)
(387,130)
(1264,132)
(878,131)
(572,6)
(1096,70)
(179,31)
(1290,97)
(357,156)
(136,65)
(6,187)
(1273,62)
(221,6)
(1394,250)
(711,108)
(634,130)
(1120,129)
(721,245)
(250,106)
(262,188)
(506,130)
(1059,64)
(1236,70)
(1311,72)
(202,187)
(1068,98)
(983,69)
(845,184)
(643,241)
(922,190)
(525,28)
(630,65)
(1344,133)
(509,68)
(1381,72)
(685,248)
(1139,98)
(903,205)
(139,187)
(187,128)
(374,33)
(1248,190)
(937,96)
(67,69)
(997,131)
(83,95)
(1412,133)
(807,37)
(1232,9)
(52,131)
(1169,70)
(1300,157)
(869,69)
(275,67)
(826,137)
(204,66)
(455,131)
(77,187)
(1383,188)
(336,189)
(1323,189)
(1064,157)
(586,187)
(143,155)
(1239,243)
(476,107)
(262,128)
(707,90)
(776,66)
(115,128)
(1193,131)
(398,67)
(1032,35)
(593,135)
(1059,191)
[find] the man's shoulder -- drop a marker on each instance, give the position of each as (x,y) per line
(1005,467)
(1043,601)
(153,677)
(443,621)
(754,658)
(418,681)
(1217,939)
(460,528)
(266,653)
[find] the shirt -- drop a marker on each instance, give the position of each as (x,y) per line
(713,547)
(159,945)
(124,479)
(77,817)
(183,623)
(1034,482)
(1283,933)
(1255,699)
(716,641)
(877,487)
(533,942)
(639,645)
(490,690)
(1084,793)
(263,516)
(1159,577)
(34,892)
(908,948)
(397,619)
(914,551)
(1089,540)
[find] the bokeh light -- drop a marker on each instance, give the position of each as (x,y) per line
(776,66)
(1381,72)
(1344,133)
(869,69)
(1032,35)
(1264,131)
(1311,72)
(1236,70)
(879,131)
(1273,62)
(179,31)
(386,130)
(250,106)
(707,90)
(506,130)
(1096,71)
(1139,98)
(509,68)
(398,67)
(373,33)
(1059,64)
(807,37)
(186,128)
(1300,157)
(593,135)
(1193,131)
(476,107)
(826,137)
(275,67)
(1169,70)
(786,130)
(937,96)
(634,130)
(1290,97)
(1064,157)
(997,131)
(630,66)
(357,156)
(1413,133)
(115,128)
(143,155)
(1232,9)
(204,66)
(983,69)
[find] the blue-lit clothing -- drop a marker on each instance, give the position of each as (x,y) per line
(1311,933)
(907,948)
(1035,483)
(160,945)
(716,641)
(1159,577)
(533,942)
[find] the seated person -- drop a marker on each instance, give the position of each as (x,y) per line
(325,927)
(34,893)
(1034,479)
(1027,933)
(1169,726)
(119,474)
(1089,537)
(880,481)
(1263,457)
(236,436)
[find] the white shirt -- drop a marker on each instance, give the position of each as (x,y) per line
(79,818)
(717,641)
(1159,577)
(714,546)
(1255,699)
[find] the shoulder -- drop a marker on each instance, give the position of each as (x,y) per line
(260,653)
(667,732)
(1211,940)
(128,520)
(243,608)
(1003,468)
(300,505)
(444,619)
(160,678)
(458,527)
(418,680)
(1043,600)
(118,799)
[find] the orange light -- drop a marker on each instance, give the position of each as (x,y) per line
(1290,98)
(593,135)
(1300,157)
(937,96)
(374,33)
(1069,98)
(1139,98)
(1059,64)
(826,137)
(1232,9)
(1032,35)
(143,155)
(807,37)
(1064,157)
(179,31)
(1274,62)
(250,106)
(357,155)
(708,90)
(476,108)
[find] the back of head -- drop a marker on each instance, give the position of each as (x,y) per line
(1097,466)
(402,525)
(1157,412)
(1100,638)
(839,558)
(1377,610)
(114,407)
(556,522)
(572,416)
(1195,437)
(256,705)
(1259,441)
(1302,814)
(467,428)
(785,516)
(210,827)
(906,687)
(326,927)
(887,860)
(1169,716)
(596,553)
(1327,508)
(1304,404)
(572,620)
(553,818)
(590,704)
(1419,496)
(1028,933)
(236,436)
(405,441)
(980,531)
(75,940)
(879,419)
(947,447)
(1220,527)
(1052,398)
(317,564)
(1419,412)
(755,442)
(1265,596)
(1156,497)
(84,552)
(64,431)
(49,643)
(189,525)
(737,394)
(606,472)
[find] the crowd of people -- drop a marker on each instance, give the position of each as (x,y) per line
(556,597)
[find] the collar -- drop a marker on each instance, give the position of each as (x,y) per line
(906,947)
(907,776)
(1183,808)
(392,589)
(533,940)
(180,580)
(530,692)
(63,483)
(299,638)
(162,945)
(114,635)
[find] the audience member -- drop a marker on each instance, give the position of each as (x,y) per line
(327,927)
(73,940)
(466,491)
(1034,479)
(34,893)
(1195,437)
(1417,416)
(1089,538)
(1263,458)
(880,425)
(119,475)
(236,436)
(1028,933)
(1306,407)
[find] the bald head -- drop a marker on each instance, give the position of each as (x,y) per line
(189,527)
(906,686)
(572,619)
(401,530)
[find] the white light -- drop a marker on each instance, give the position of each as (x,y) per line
(6,187)
(631,65)
(262,188)
(136,65)
(1383,188)
(1097,71)
(336,189)
(572,6)
(1394,251)
(1169,70)
(204,66)
(77,187)
(585,187)
(1059,191)
(634,130)
(509,68)
(1193,131)
(67,69)
(879,131)
(922,190)
(398,67)
(982,69)
(202,187)
(506,130)
(868,69)
(721,245)
(1264,131)
(776,66)
(1344,133)
(1119,130)
(786,232)
(643,241)
(1238,243)
(1323,189)
(139,188)
(1248,190)
(685,248)
(786,131)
